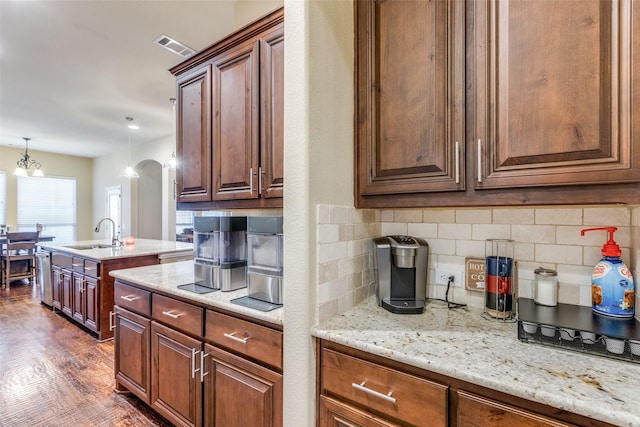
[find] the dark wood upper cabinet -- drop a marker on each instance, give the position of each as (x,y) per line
(231,120)
(193,145)
(483,103)
(553,93)
(410,96)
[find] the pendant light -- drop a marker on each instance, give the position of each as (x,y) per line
(129,172)
(26,164)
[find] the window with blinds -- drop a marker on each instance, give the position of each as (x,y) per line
(48,201)
(3,198)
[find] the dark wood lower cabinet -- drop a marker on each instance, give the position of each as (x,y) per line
(133,353)
(67,293)
(176,392)
(336,414)
(239,393)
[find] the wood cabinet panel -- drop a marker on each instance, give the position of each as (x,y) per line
(132,298)
(67,293)
(553,99)
(398,395)
(193,146)
(78,301)
(56,287)
(132,360)
(271,179)
(409,97)
(251,340)
(176,393)
(177,314)
(336,414)
(91,303)
(478,411)
(239,393)
(235,122)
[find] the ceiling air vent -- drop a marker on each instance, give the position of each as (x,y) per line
(174,46)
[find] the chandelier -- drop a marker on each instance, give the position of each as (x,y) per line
(26,164)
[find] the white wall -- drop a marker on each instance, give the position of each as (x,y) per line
(319,169)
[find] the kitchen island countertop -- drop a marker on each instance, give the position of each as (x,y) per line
(167,277)
(140,248)
(461,344)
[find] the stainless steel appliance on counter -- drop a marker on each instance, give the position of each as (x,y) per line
(264,268)
(401,273)
(233,252)
(206,266)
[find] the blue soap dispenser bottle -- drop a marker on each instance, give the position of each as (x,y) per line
(612,287)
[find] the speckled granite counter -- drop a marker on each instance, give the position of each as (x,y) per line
(167,277)
(140,248)
(461,344)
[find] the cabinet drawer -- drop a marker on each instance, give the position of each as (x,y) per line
(247,338)
(383,390)
(91,268)
(134,299)
(62,260)
(478,411)
(178,314)
(77,264)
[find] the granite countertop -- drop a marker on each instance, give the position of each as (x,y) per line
(140,248)
(167,277)
(462,344)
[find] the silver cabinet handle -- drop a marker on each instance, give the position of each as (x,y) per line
(129,298)
(383,396)
(260,173)
(479,160)
(202,372)
(112,320)
(251,180)
(457,162)
(172,314)
(233,337)
(193,362)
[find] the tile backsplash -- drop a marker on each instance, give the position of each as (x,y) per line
(544,237)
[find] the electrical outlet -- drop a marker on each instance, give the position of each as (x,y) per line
(442,277)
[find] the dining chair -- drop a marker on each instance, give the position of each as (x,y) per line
(18,257)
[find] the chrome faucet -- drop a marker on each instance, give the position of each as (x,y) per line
(115,241)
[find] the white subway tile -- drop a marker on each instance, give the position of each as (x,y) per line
(559,254)
(332,251)
(340,215)
(575,274)
(490,231)
(533,233)
(569,294)
(324,214)
(393,228)
(386,215)
(454,231)
(524,251)
(439,215)
(585,296)
(442,246)
(470,248)
(407,215)
(328,233)
(422,230)
(513,216)
(607,216)
(473,216)
(559,216)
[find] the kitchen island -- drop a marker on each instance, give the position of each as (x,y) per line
(461,345)
(81,286)
(196,359)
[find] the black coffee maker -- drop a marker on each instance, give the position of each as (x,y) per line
(401,273)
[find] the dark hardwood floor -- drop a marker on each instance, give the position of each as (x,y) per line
(52,373)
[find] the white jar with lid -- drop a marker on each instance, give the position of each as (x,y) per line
(545,287)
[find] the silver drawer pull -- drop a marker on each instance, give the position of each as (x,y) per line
(233,337)
(129,298)
(362,387)
(172,314)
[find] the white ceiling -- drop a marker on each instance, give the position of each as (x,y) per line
(72,70)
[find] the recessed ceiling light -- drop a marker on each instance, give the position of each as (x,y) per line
(174,46)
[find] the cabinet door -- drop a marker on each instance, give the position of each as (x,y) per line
(409,96)
(235,122)
(91,303)
(78,300)
(132,358)
(56,287)
(337,414)
(477,411)
(193,145)
(553,98)
(176,392)
(271,179)
(239,393)
(67,293)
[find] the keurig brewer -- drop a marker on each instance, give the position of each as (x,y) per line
(401,273)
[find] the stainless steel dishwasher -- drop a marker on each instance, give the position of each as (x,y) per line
(44,277)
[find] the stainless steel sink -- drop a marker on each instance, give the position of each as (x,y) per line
(92,246)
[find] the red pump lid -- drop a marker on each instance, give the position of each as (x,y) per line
(610,248)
